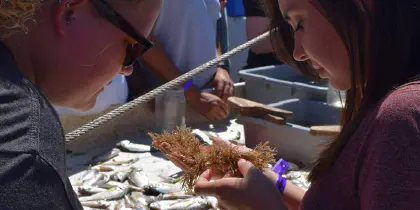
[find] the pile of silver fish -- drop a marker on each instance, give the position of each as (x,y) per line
(299,178)
(115,181)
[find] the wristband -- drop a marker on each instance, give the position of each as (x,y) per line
(224,66)
(280,168)
(188,84)
(281,184)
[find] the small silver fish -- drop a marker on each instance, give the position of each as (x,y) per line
(120,204)
(299,178)
(89,190)
(102,168)
(293,167)
(122,175)
(296,174)
(212,201)
(138,178)
(202,137)
(98,180)
(127,146)
(96,204)
(141,199)
(173,196)
(76,190)
(87,173)
(128,202)
(87,176)
(90,208)
(227,136)
(113,206)
(112,184)
(111,194)
(106,156)
(142,208)
(120,161)
(90,178)
(196,203)
(165,188)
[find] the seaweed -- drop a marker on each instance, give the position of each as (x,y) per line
(222,159)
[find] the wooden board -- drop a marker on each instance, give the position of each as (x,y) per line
(330,130)
(270,118)
(254,109)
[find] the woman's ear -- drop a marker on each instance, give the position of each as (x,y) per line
(64,14)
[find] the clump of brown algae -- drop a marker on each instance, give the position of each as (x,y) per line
(220,158)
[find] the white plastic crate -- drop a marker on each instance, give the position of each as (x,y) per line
(293,140)
(275,83)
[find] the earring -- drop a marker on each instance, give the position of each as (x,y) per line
(70,19)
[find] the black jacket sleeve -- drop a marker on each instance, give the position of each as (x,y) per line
(28,182)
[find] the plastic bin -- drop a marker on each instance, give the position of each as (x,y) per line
(293,140)
(275,83)
(235,8)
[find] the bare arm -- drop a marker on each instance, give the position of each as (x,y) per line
(161,64)
(292,195)
(158,60)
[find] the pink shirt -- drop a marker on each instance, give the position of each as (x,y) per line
(380,166)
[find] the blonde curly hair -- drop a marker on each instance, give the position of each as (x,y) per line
(14,14)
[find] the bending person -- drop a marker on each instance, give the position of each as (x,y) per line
(63,52)
(185,37)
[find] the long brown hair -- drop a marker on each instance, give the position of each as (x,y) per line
(382,40)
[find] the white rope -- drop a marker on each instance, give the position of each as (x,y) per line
(152,94)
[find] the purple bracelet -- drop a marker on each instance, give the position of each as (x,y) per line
(280,168)
(281,184)
(188,84)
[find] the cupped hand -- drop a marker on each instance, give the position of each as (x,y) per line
(254,191)
(214,108)
(184,163)
(207,104)
(292,195)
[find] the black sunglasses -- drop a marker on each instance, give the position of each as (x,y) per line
(133,51)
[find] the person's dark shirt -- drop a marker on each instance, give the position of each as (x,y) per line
(253,8)
(379,167)
(32,149)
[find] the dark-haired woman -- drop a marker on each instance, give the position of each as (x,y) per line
(370,49)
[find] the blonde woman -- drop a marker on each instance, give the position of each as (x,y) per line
(63,52)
